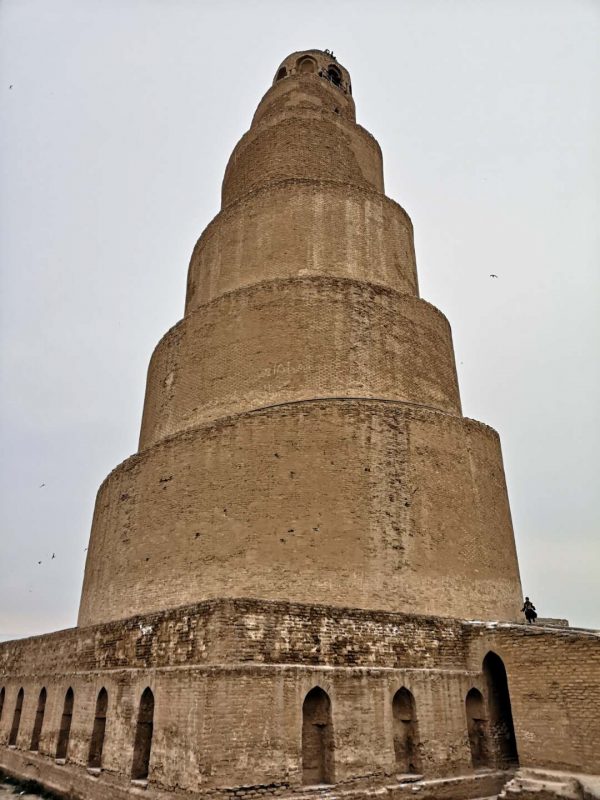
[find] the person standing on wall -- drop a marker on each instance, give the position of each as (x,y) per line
(529,611)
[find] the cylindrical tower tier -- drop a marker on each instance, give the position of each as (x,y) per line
(302,436)
(345,502)
(298,339)
(312,144)
(298,228)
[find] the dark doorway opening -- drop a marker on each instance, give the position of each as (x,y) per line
(64,732)
(14,728)
(502,732)
(143,737)
(98,731)
(317,738)
(334,76)
(39,721)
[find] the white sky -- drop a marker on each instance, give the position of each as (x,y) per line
(113,142)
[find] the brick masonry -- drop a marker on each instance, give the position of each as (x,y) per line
(229,679)
(278,582)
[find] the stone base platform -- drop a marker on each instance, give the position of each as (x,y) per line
(76,784)
(218,696)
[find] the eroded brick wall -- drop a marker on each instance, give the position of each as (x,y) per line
(299,228)
(235,353)
(554,684)
(354,503)
(229,679)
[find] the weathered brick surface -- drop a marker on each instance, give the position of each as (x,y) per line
(302,444)
(354,233)
(349,339)
(357,503)
(307,90)
(229,679)
(245,630)
(287,449)
(311,144)
(554,682)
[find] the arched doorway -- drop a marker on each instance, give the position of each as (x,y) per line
(143,736)
(406,733)
(334,75)
(2,696)
(14,728)
(502,732)
(317,738)
(65,726)
(98,731)
(477,728)
(39,721)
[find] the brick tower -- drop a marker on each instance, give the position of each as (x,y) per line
(281,585)
(302,436)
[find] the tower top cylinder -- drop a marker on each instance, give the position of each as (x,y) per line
(309,78)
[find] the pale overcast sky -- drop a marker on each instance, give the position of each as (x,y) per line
(117,120)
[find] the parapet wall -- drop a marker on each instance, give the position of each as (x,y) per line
(246,666)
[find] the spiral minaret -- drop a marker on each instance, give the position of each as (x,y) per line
(302,436)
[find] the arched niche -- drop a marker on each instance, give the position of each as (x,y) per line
(306,65)
(39,720)
(98,730)
(143,736)
(406,731)
(16,722)
(317,738)
(502,732)
(64,733)
(477,728)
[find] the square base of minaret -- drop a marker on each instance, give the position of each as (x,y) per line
(255,697)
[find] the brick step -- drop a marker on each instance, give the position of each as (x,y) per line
(479,786)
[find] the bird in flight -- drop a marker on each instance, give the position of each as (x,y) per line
(42,484)
(492,275)
(53,555)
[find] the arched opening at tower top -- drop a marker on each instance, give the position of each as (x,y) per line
(335,76)
(317,738)
(406,733)
(477,728)
(306,65)
(502,732)
(281,73)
